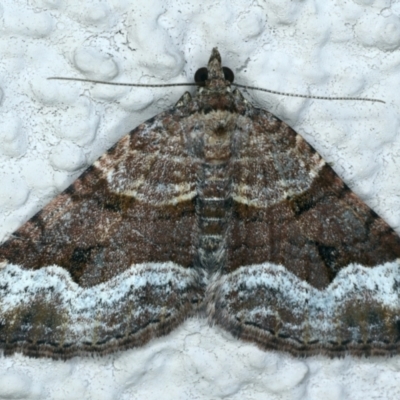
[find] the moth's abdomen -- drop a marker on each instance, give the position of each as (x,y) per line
(213,210)
(212,145)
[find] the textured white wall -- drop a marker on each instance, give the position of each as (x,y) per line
(51,130)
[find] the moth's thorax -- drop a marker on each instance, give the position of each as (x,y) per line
(224,99)
(212,140)
(217,85)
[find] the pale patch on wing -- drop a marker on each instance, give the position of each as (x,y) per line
(47,304)
(266,302)
(274,177)
(157,180)
(319,164)
(166,194)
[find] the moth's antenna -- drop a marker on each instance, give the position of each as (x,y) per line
(59,78)
(306,96)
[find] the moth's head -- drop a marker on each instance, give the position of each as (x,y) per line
(215,75)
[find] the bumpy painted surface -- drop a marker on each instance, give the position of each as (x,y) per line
(212,206)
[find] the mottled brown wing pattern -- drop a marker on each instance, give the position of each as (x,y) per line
(311,268)
(119,212)
(290,208)
(130,214)
(212,206)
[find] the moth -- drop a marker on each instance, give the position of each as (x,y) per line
(213,207)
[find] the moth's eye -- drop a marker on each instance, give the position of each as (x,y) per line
(228,74)
(201,76)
